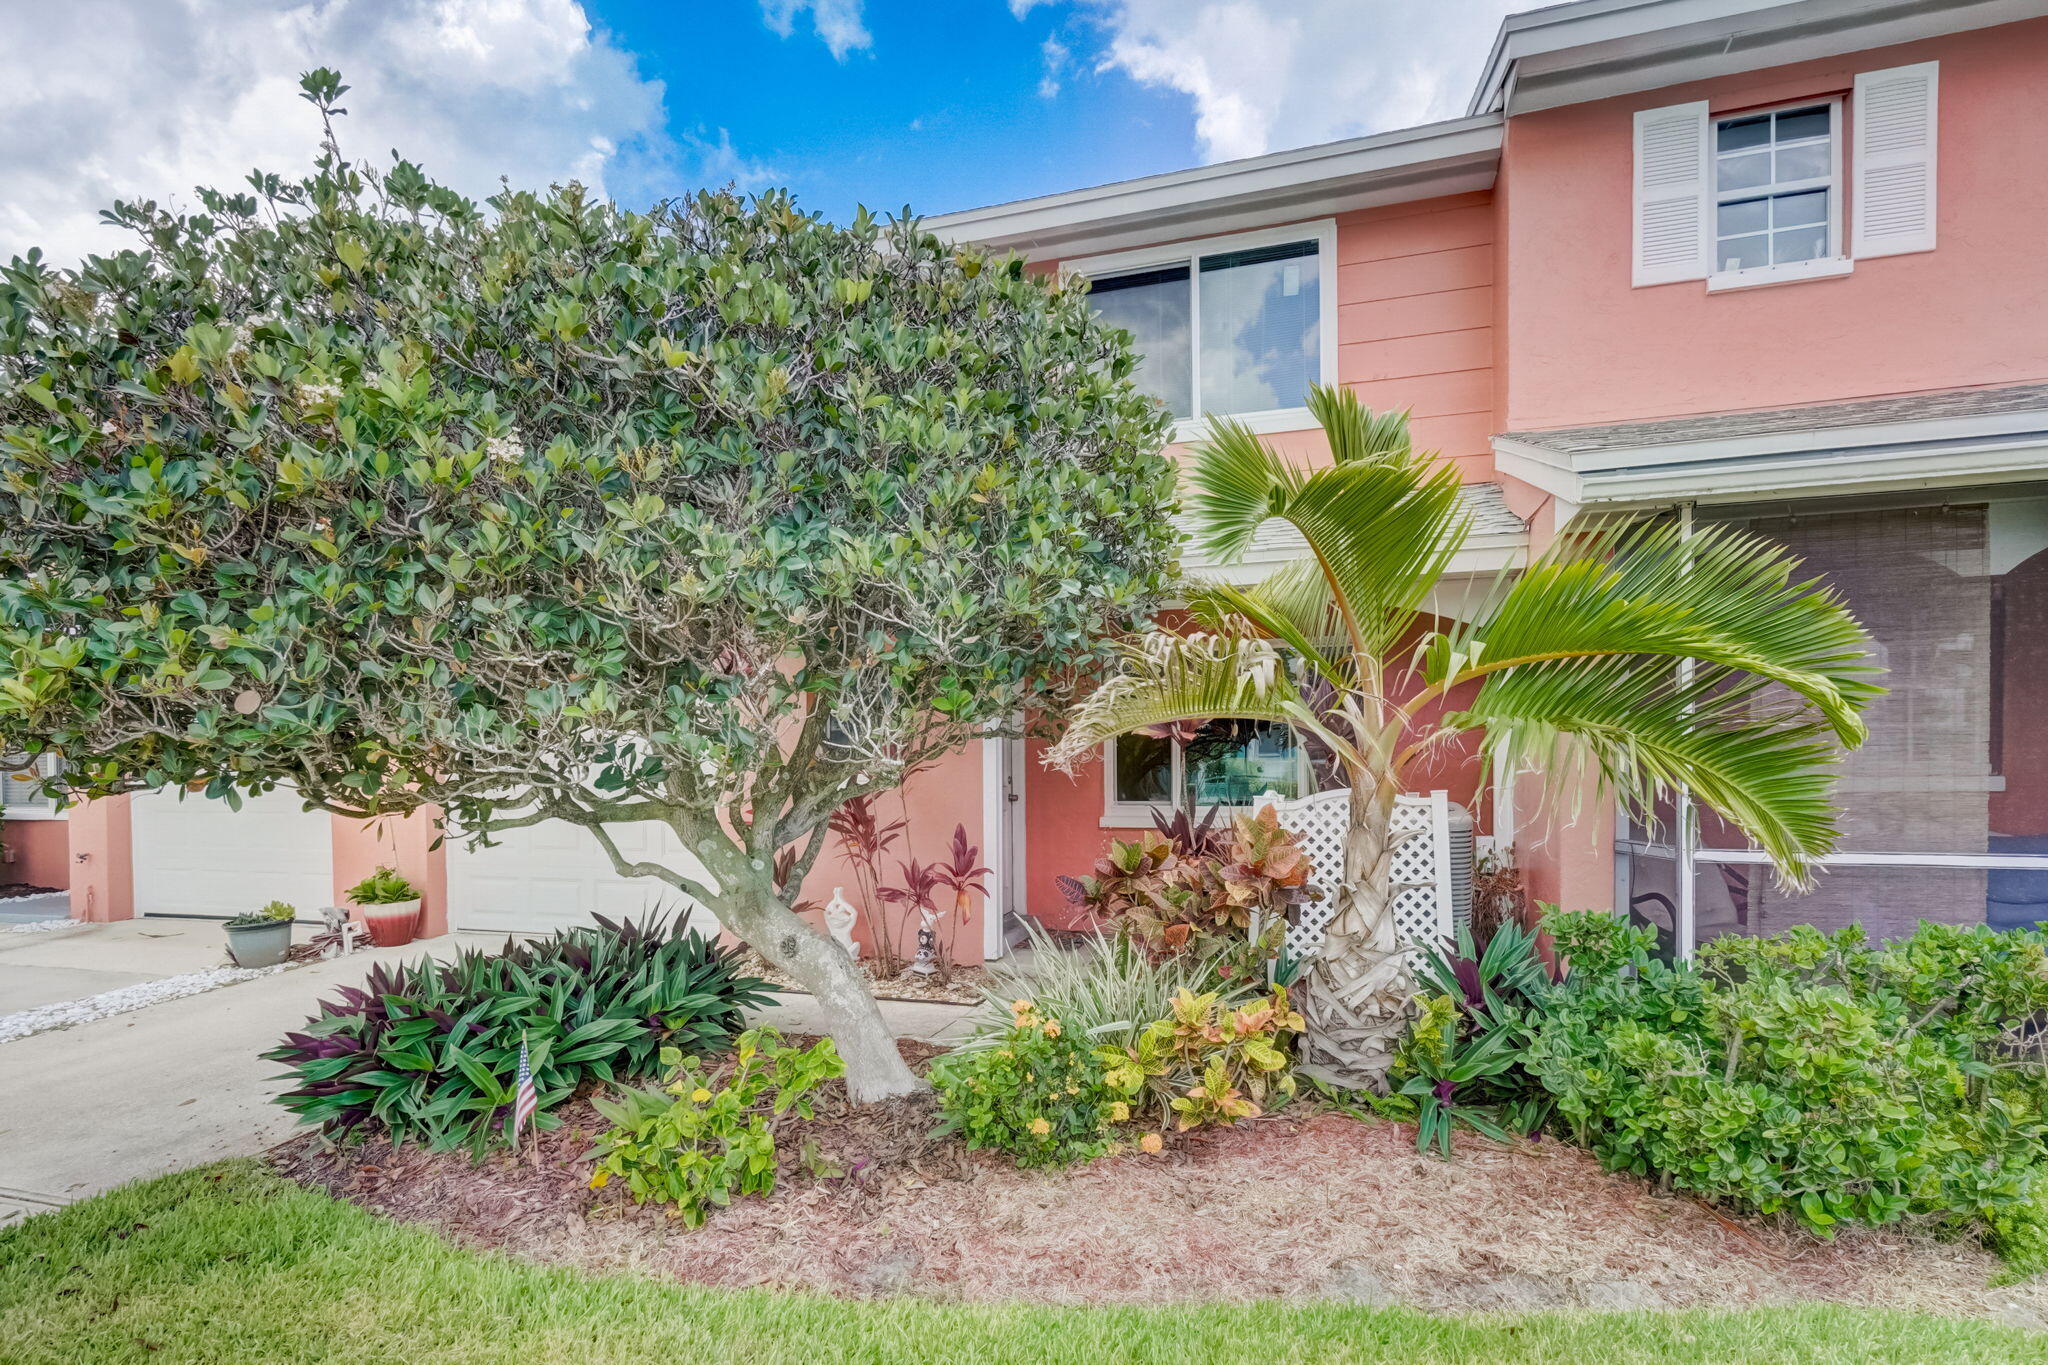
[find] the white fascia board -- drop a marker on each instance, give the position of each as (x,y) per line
(1941,429)
(1597,49)
(1825,475)
(1823,464)
(1411,163)
(1537,467)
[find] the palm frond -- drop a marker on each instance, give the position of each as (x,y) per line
(1241,484)
(1663,659)
(1162,678)
(1383,535)
(1721,597)
(1294,605)
(1768,766)
(1356,432)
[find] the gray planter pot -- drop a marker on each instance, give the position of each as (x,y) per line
(260,945)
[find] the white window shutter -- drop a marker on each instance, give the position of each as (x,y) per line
(1672,194)
(1893,206)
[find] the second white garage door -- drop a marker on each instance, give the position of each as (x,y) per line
(195,856)
(552,875)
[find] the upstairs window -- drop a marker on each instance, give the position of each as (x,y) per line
(1760,197)
(1238,326)
(1777,188)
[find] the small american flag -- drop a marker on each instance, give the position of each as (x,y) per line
(524,1100)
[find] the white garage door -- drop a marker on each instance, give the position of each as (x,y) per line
(550,875)
(195,856)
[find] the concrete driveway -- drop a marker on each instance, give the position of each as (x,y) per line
(45,968)
(180,1084)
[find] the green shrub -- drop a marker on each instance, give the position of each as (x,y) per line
(693,1144)
(1037,1093)
(1105,987)
(383,887)
(430,1052)
(1207,1062)
(1596,944)
(1811,1074)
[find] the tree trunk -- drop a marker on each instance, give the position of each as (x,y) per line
(1357,994)
(874,1068)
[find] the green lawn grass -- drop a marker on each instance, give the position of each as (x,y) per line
(230,1263)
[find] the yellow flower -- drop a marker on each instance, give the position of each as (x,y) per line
(1151,1143)
(699,1095)
(1119,1112)
(1040,1127)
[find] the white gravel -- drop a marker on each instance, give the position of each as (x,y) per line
(107,1003)
(43,926)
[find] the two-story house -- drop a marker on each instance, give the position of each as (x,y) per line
(1777,262)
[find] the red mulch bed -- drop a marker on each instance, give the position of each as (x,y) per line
(1304,1204)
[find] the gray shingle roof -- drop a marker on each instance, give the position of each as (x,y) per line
(1917,407)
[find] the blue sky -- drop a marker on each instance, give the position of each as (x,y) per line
(941,104)
(940,116)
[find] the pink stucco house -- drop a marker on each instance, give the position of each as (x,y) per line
(1772,261)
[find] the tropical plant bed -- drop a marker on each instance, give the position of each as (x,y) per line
(965,987)
(1304,1205)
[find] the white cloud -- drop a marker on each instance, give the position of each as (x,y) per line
(1054,55)
(838,22)
(135,99)
(1267,74)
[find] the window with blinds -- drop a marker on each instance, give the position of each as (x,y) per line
(1224,332)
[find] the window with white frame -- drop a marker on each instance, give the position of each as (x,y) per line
(1235,326)
(1777,188)
(21,793)
(1225,763)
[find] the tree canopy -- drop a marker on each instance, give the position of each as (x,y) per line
(539,508)
(355,482)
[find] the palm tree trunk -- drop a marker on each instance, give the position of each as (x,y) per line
(1356,995)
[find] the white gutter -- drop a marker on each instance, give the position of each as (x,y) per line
(1303,182)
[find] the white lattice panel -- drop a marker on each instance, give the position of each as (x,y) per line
(1421,870)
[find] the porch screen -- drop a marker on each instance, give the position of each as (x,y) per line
(1955,772)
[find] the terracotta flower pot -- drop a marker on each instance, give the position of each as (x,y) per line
(392,924)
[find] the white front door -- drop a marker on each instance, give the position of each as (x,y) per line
(553,875)
(195,856)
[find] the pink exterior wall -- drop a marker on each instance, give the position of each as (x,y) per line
(403,842)
(1584,347)
(1415,320)
(934,801)
(38,852)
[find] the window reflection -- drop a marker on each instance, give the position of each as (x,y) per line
(1154,307)
(1261,328)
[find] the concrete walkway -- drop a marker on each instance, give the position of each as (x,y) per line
(180,1084)
(71,964)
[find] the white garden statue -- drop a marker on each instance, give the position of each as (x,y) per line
(839,920)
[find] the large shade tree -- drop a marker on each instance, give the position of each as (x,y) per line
(1638,658)
(711,516)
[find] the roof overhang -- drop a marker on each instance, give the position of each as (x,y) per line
(1595,49)
(1945,452)
(1452,157)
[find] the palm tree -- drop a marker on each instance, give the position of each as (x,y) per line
(1634,658)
